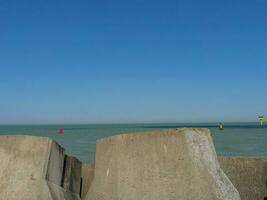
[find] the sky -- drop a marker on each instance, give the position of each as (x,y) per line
(117,61)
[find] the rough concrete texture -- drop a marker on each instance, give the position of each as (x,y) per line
(31,168)
(72,174)
(36,190)
(249,175)
(175,164)
(87,178)
(55,163)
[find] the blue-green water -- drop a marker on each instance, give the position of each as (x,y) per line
(247,139)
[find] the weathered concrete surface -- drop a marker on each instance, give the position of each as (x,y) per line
(87,178)
(31,168)
(36,190)
(72,174)
(175,164)
(55,163)
(248,175)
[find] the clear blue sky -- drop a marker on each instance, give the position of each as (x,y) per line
(110,61)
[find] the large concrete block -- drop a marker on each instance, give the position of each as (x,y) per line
(87,178)
(31,168)
(248,174)
(175,164)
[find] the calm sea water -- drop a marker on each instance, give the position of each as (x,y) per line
(247,139)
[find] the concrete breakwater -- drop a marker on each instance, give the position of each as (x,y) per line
(248,175)
(170,164)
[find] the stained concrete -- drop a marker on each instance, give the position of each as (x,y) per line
(55,164)
(32,168)
(72,174)
(172,164)
(87,178)
(248,174)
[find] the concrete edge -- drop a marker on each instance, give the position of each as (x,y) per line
(166,131)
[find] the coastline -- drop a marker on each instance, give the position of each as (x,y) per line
(78,180)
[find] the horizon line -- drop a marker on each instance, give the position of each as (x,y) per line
(124,123)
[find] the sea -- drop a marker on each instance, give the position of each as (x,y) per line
(237,139)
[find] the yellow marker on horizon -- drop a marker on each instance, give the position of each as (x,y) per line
(221,126)
(261,120)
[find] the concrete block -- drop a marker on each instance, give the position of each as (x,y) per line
(31,168)
(170,164)
(248,174)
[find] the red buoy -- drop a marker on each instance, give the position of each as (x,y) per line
(60,131)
